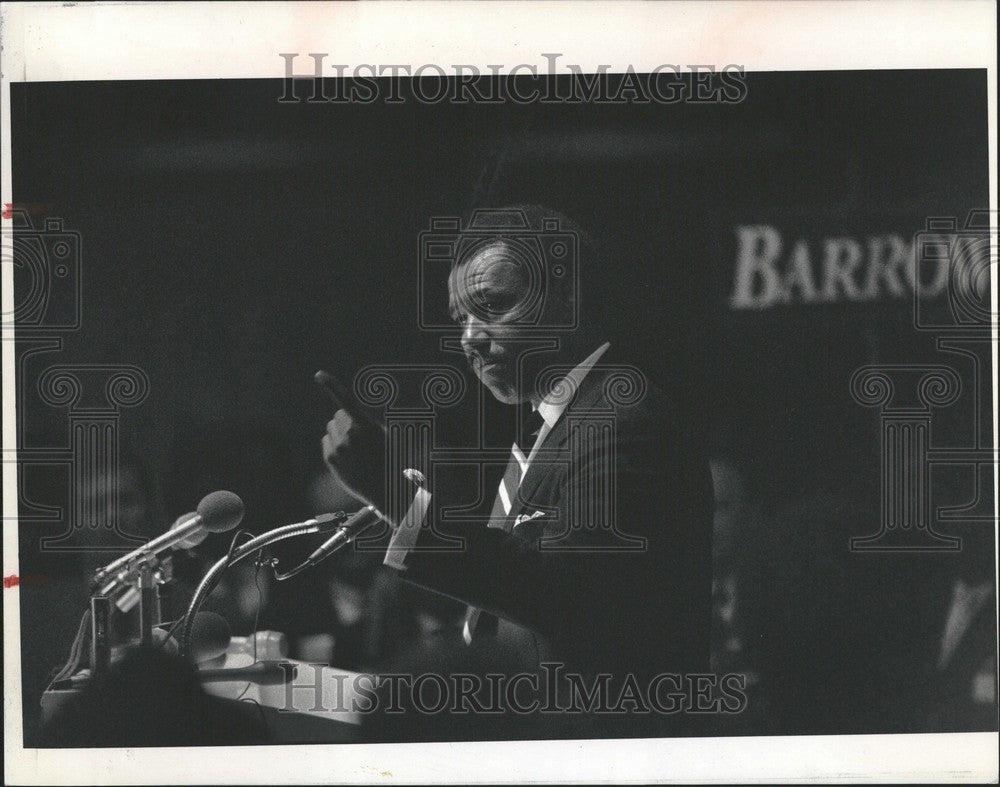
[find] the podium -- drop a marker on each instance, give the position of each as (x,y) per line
(296,701)
(299,702)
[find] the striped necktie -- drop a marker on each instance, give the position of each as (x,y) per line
(477,622)
(531,425)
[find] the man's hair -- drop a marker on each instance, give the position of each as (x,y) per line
(507,221)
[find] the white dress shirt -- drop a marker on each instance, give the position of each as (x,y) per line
(550,408)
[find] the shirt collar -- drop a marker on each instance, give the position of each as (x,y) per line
(553,405)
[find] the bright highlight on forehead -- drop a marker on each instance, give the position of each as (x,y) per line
(491,270)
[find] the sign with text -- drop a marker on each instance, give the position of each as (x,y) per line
(775,264)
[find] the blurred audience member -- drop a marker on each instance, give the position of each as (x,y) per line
(965,684)
(736,571)
(934,651)
(942,650)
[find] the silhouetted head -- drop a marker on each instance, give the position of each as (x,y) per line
(516,289)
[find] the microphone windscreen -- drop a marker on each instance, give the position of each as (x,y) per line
(194,538)
(210,635)
(160,634)
(220,511)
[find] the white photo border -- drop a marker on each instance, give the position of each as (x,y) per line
(228,40)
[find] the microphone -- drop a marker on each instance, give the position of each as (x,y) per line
(216,513)
(346,533)
(266,673)
(192,540)
(210,637)
(130,595)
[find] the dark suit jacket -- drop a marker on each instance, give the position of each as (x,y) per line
(616,576)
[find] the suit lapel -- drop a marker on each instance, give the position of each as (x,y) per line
(554,452)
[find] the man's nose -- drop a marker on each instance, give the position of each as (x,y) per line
(474,334)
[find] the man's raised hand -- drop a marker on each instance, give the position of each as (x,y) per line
(354,444)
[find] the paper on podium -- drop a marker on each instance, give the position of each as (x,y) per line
(297,691)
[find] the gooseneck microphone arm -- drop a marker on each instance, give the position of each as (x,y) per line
(318,525)
(358,523)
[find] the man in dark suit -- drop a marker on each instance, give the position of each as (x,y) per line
(596,553)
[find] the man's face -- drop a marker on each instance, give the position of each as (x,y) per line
(490,297)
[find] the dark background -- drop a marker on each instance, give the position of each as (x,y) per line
(233,244)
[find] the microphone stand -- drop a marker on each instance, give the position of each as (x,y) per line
(346,534)
(143,577)
(318,525)
(149,604)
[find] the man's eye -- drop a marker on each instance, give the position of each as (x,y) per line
(496,304)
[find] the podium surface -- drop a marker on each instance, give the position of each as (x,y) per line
(298,701)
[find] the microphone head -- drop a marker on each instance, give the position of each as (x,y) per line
(159,635)
(195,538)
(210,635)
(220,511)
